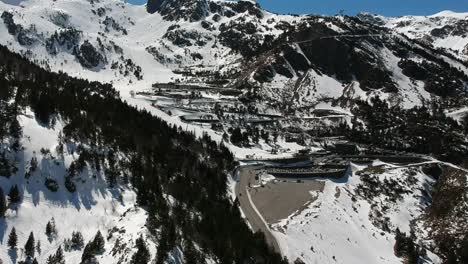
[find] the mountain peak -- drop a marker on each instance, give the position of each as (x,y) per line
(196,10)
(450,13)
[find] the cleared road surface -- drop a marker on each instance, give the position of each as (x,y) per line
(246,174)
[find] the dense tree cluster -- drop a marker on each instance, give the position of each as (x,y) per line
(405,248)
(57,258)
(142,255)
(447,214)
(443,81)
(159,160)
(419,130)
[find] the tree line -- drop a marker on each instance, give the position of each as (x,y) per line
(160,160)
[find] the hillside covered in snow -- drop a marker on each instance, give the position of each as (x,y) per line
(122,125)
(80,191)
(238,44)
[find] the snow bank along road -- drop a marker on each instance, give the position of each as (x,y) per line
(251,213)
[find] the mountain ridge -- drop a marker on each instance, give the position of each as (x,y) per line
(261,85)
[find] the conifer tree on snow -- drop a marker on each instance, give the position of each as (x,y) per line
(12,239)
(50,228)
(98,242)
(399,243)
(35,261)
(34,164)
(142,256)
(14,195)
(38,247)
(5,168)
(57,258)
(3,204)
(77,240)
(29,247)
(94,247)
(88,253)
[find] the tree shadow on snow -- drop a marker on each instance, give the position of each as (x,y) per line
(3,229)
(13,253)
(90,184)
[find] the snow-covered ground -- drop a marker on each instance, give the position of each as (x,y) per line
(420,27)
(93,207)
(333,229)
(143,30)
(339,226)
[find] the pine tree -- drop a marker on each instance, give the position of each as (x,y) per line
(94,247)
(35,261)
(236,136)
(38,247)
(57,258)
(77,240)
(14,195)
(142,256)
(5,167)
(399,243)
(34,164)
(3,204)
(50,259)
(88,253)
(50,228)
(12,239)
(98,243)
(29,247)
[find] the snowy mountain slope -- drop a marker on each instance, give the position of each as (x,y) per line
(93,22)
(356,214)
(105,158)
(94,207)
(447,29)
(234,43)
(376,58)
(290,65)
(118,32)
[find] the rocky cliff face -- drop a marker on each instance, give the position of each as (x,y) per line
(179,9)
(196,10)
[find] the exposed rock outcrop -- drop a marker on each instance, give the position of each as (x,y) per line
(196,10)
(191,10)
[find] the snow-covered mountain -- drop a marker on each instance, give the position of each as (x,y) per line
(238,44)
(75,180)
(112,41)
(285,66)
(447,29)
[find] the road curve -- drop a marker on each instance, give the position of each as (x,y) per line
(256,221)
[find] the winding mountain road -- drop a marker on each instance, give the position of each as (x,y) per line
(253,216)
